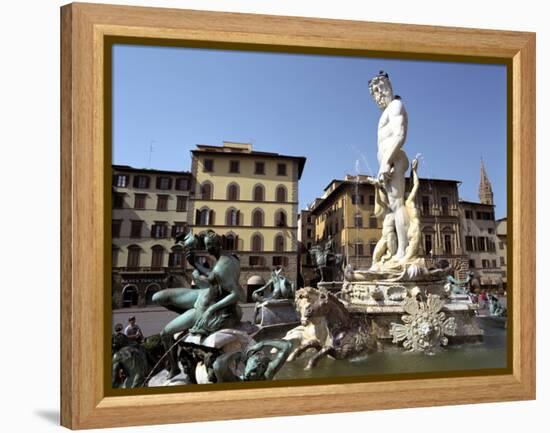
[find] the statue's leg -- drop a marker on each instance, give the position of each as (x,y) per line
(397,202)
(315,344)
(321,354)
(178,300)
(179,324)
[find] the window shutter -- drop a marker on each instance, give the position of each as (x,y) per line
(238,217)
(158,182)
(211,217)
(135,182)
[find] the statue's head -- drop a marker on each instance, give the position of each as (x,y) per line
(256,366)
(381,90)
(212,242)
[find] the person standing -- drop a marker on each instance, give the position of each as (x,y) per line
(133,331)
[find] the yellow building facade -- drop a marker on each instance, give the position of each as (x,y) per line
(251,199)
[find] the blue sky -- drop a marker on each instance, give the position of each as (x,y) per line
(308,105)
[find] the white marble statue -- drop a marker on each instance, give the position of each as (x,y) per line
(390,182)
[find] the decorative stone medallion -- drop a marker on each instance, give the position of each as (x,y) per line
(425,325)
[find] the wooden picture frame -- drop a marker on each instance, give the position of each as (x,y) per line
(85,27)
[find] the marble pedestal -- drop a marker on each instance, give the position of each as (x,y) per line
(382,302)
(276,312)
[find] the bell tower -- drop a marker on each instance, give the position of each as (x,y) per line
(485,189)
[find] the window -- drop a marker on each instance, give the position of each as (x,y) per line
(181,203)
(309,219)
(162,203)
(280,218)
(373,222)
(468,214)
(491,245)
(204,217)
(281,169)
(359,248)
(469,243)
(182,184)
(120,180)
(133,256)
(280,194)
(371,199)
(233,192)
(257,218)
(157,256)
(501,245)
(139,201)
(448,244)
(164,182)
(233,166)
(256,243)
(481,244)
(426,205)
(278,261)
(159,230)
(309,233)
(135,229)
(208,165)
(141,181)
(494,263)
(479,215)
(206,191)
(118,200)
(230,242)
(444,206)
(372,246)
(502,262)
(279,243)
(357,199)
(428,250)
(258,194)
(259,168)
(149,292)
(472,263)
(175,258)
(484,263)
(114,258)
(232,217)
(255,261)
(178,227)
(115,228)
(491,231)
(358,220)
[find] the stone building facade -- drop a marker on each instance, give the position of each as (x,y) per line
(149,207)
(251,199)
(502,249)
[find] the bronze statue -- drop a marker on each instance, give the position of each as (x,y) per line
(209,307)
(280,287)
(258,361)
(328,262)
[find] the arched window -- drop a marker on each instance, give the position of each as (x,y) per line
(206,191)
(280,218)
(134,253)
(257,243)
(129,297)
(149,292)
(258,193)
(232,217)
(175,258)
(233,192)
(257,218)
(279,243)
(157,256)
(280,194)
(230,242)
(204,217)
